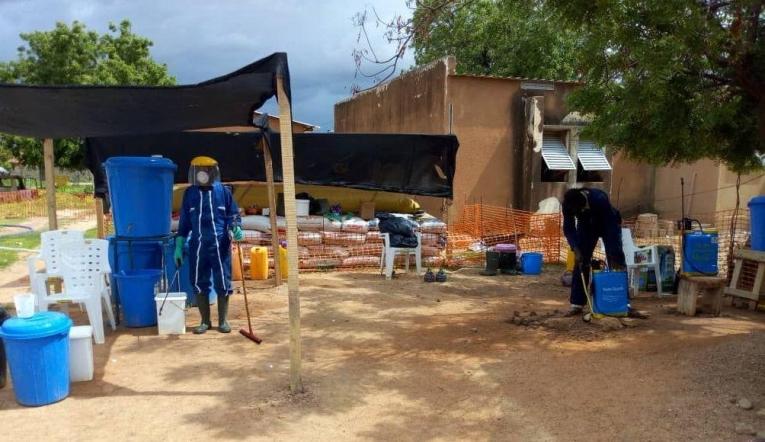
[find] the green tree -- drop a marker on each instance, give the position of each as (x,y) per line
(673,80)
(496,37)
(75,55)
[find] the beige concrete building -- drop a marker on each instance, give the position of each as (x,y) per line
(519,144)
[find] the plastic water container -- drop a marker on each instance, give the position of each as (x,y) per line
(81,353)
(134,255)
(700,252)
(610,293)
(171,317)
(531,263)
(302,207)
(25,305)
(37,349)
(259,263)
(757,221)
(137,289)
(141,193)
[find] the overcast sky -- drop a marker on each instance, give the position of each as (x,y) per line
(199,39)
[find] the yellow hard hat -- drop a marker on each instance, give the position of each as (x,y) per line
(204,161)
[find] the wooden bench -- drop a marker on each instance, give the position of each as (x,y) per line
(711,289)
(748,280)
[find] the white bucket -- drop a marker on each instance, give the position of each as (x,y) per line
(172,320)
(25,305)
(81,353)
(302,208)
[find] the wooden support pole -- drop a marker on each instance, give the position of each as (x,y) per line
(100,227)
(293,286)
(272,211)
(50,182)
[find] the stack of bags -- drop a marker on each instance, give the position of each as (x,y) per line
(352,242)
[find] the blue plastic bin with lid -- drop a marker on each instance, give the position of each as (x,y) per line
(37,349)
(141,193)
(757,222)
(531,263)
(137,289)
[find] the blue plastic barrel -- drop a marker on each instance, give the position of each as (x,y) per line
(135,255)
(137,291)
(757,222)
(37,349)
(531,263)
(141,193)
(184,276)
(610,293)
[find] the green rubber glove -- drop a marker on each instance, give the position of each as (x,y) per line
(178,255)
(238,233)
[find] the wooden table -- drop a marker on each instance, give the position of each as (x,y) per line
(748,285)
(711,289)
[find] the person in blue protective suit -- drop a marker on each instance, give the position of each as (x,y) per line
(208,214)
(588,216)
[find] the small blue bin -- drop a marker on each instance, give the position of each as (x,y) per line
(141,193)
(37,349)
(611,293)
(531,263)
(137,289)
(757,221)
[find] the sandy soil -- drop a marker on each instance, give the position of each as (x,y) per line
(402,360)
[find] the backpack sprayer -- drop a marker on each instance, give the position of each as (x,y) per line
(699,247)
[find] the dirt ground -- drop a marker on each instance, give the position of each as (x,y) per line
(402,360)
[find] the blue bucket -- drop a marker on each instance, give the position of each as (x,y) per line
(610,293)
(531,263)
(136,255)
(141,193)
(37,349)
(757,221)
(137,289)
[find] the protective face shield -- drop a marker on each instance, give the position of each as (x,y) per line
(203,172)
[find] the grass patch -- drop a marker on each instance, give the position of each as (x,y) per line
(91,233)
(29,240)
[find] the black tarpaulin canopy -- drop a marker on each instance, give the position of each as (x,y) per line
(411,164)
(89,111)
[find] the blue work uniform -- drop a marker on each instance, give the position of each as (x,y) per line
(207,215)
(598,220)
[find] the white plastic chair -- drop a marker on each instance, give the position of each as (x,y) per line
(51,244)
(85,268)
(637,257)
(388,257)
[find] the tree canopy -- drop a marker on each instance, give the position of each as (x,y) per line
(503,37)
(665,81)
(73,54)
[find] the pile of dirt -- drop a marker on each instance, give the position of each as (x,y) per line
(571,326)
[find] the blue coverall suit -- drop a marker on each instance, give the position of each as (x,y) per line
(208,213)
(598,220)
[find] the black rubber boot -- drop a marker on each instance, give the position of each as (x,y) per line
(203,303)
(223,326)
(492,264)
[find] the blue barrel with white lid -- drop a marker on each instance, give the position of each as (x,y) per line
(141,194)
(37,349)
(757,222)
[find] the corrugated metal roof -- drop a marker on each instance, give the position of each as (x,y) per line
(555,154)
(592,156)
(497,77)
